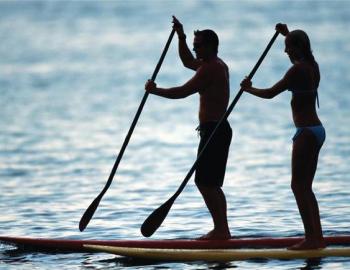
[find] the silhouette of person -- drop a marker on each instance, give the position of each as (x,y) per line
(211,82)
(302,79)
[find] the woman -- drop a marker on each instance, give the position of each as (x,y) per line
(302,79)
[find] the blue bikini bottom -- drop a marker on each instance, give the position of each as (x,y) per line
(318,131)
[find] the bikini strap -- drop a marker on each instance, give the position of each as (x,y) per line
(303,92)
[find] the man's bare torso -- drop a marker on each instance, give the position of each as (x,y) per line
(214,97)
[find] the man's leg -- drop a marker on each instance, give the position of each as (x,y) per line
(215,200)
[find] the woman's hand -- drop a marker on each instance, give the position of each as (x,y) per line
(246,84)
(150,86)
(282,29)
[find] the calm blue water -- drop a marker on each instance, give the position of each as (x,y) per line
(71,79)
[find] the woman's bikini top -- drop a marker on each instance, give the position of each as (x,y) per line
(311,93)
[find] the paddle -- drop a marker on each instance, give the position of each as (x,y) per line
(85,219)
(152,223)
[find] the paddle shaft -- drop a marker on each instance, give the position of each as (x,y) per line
(139,110)
(152,223)
(93,206)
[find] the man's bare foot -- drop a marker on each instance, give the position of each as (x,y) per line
(308,244)
(216,235)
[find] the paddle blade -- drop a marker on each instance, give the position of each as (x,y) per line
(85,219)
(153,222)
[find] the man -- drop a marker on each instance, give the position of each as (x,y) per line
(211,81)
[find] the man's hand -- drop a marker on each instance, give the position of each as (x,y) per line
(150,86)
(177,26)
(282,29)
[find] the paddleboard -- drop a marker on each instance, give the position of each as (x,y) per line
(77,245)
(219,254)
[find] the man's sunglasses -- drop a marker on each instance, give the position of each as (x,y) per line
(197,45)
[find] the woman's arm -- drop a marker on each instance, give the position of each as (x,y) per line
(267,93)
(281,85)
(271,92)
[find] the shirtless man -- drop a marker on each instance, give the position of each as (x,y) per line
(211,81)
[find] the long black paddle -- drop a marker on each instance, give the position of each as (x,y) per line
(152,223)
(85,219)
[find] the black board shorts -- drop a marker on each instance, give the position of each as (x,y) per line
(211,166)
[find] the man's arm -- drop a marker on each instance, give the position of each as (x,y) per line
(194,85)
(184,52)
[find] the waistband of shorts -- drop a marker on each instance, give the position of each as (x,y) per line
(211,124)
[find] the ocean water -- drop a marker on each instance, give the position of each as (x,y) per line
(72,75)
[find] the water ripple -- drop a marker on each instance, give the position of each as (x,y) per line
(71,84)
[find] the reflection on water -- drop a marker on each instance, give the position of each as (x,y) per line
(72,77)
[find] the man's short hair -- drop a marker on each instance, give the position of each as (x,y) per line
(209,37)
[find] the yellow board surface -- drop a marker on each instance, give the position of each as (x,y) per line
(219,254)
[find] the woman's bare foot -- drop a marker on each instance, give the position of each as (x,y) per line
(308,244)
(216,235)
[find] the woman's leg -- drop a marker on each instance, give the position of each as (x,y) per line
(304,165)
